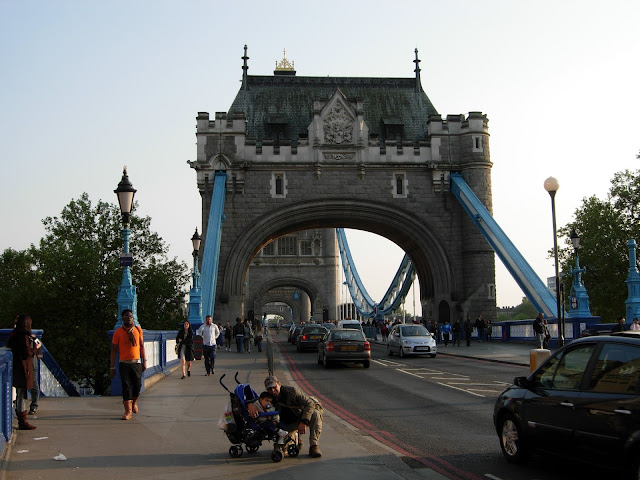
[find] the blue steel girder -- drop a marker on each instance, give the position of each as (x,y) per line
(211,255)
(363,302)
(536,291)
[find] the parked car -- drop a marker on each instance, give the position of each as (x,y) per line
(409,339)
(309,337)
(344,345)
(582,403)
(295,331)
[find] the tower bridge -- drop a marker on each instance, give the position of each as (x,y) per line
(305,153)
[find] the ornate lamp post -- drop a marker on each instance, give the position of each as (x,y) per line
(195,294)
(579,297)
(126,291)
(551,185)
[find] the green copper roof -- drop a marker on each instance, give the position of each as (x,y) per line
(285,103)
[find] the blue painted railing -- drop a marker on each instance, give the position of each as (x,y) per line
(6,397)
(161,357)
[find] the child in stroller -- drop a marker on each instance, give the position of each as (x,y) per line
(244,429)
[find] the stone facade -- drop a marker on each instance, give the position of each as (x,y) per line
(349,170)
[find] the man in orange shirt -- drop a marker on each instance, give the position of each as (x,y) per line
(128,343)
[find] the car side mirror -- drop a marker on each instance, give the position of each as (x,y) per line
(521,382)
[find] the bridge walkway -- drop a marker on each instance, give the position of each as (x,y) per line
(175,435)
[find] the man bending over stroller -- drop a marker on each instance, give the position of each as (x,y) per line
(297,411)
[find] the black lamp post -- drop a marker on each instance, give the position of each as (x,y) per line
(551,185)
(127,298)
(195,294)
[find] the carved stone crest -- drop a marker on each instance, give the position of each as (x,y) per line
(338,126)
(339,156)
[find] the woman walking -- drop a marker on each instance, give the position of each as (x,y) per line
(248,336)
(23,345)
(185,350)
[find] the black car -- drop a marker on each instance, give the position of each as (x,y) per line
(582,403)
(309,337)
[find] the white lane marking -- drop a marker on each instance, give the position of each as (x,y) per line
(408,373)
(461,389)
(387,363)
(478,384)
(492,477)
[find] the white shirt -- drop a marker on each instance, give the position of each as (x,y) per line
(209,333)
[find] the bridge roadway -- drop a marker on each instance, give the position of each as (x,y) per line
(175,435)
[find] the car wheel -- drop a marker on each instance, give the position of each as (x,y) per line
(432,355)
(401,350)
(366,364)
(635,464)
(512,441)
(389,352)
(326,363)
(298,348)
(319,359)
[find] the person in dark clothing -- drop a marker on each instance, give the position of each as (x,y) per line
(23,345)
(468,330)
(457,332)
(619,326)
(480,326)
(238,334)
(186,352)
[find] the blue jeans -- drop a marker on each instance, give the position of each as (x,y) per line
(240,343)
(209,354)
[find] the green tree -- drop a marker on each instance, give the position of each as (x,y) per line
(605,227)
(71,282)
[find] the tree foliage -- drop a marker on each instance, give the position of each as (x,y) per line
(69,282)
(604,228)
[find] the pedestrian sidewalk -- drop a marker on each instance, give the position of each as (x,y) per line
(176,435)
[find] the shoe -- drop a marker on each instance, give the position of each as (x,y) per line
(22,421)
(134,405)
(127,410)
(314,451)
(33,411)
(182,377)
(188,373)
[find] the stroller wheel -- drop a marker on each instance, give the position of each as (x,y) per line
(252,448)
(235,450)
(276,455)
(293,450)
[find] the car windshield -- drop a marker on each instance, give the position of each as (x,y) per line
(414,331)
(312,330)
(352,335)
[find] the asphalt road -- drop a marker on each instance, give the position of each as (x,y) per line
(437,413)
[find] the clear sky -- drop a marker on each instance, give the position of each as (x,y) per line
(90,86)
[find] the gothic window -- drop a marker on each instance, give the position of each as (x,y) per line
(269,249)
(305,248)
(399,185)
(278,185)
(288,245)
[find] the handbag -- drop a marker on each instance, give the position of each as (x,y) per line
(177,348)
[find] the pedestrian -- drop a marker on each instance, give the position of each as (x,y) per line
(489,330)
(238,334)
(457,332)
(635,326)
(435,330)
(128,344)
(248,336)
(538,329)
(446,331)
(228,335)
(220,340)
(186,352)
(468,330)
(547,335)
(480,325)
(35,391)
(258,337)
(620,326)
(297,410)
(23,346)
(384,330)
(210,333)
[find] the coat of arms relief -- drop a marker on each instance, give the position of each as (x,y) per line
(338,126)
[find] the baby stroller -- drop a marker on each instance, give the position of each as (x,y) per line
(244,429)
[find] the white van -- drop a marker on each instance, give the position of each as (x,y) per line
(353,324)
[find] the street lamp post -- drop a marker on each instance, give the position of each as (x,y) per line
(551,185)
(127,298)
(195,294)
